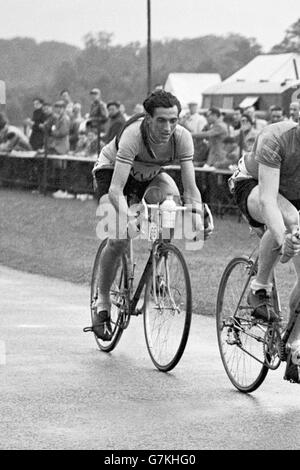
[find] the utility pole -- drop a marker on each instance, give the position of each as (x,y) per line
(149,55)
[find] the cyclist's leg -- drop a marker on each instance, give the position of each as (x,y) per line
(294,304)
(267,256)
(260,293)
(160,186)
(110,258)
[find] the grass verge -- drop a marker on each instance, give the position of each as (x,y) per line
(57,238)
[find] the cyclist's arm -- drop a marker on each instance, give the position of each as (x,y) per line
(191,193)
(268,199)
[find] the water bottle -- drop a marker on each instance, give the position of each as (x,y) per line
(168,212)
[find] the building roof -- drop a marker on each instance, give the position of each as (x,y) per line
(188,87)
(271,67)
(2,92)
(250,87)
(265,74)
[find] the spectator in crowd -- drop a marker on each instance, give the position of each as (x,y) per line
(115,122)
(11,138)
(49,121)
(59,137)
(231,154)
(123,112)
(38,118)
(215,135)
(247,135)
(139,108)
(195,123)
(192,120)
(157,87)
(81,143)
(75,122)
(98,111)
(294,111)
(227,119)
(65,96)
(276,114)
(236,118)
(258,124)
(91,147)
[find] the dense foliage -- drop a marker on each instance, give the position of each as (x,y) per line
(33,69)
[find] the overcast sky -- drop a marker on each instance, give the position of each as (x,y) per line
(70,20)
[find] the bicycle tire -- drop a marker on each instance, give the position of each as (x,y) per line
(234,331)
(167,318)
(120,283)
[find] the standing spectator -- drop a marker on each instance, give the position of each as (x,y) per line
(98,111)
(258,124)
(49,120)
(81,143)
(65,96)
(98,115)
(215,135)
(236,118)
(247,135)
(232,154)
(37,134)
(76,121)
(115,123)
(276,114)
(59,137)
(91,146)
(11,138)
(294,111)
(193,121)
(123,112)
(157,87)
(139,108)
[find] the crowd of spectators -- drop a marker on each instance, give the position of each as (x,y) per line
(220,139)
(60,128)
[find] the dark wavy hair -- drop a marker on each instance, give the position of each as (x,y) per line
(160,99)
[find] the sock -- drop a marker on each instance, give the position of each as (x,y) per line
(255,286)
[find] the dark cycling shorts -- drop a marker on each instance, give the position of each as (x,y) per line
(134,190)
(242,189)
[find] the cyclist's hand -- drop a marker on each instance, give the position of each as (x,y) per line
(136,217)
(291,247)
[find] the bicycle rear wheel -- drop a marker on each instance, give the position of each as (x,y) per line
(240,337)
(117,296)
(168,308)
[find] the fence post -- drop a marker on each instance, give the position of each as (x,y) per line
(45,165)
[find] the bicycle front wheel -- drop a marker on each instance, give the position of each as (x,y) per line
(240,337)
(117,296)
(168,308)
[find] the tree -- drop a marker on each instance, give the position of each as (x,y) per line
(291,41)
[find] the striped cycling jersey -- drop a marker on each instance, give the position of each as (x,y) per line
(132,151)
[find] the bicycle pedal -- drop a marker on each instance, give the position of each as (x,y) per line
(88,329)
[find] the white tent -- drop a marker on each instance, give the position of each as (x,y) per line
(277,68)
(2,92)
(188,87)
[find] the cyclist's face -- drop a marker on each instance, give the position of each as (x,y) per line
(163,123)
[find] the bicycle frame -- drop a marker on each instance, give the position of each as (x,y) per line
(150,265)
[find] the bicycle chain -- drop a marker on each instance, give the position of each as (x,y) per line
(273,347)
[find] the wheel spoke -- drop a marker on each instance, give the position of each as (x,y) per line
(167,309)
(241,339)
